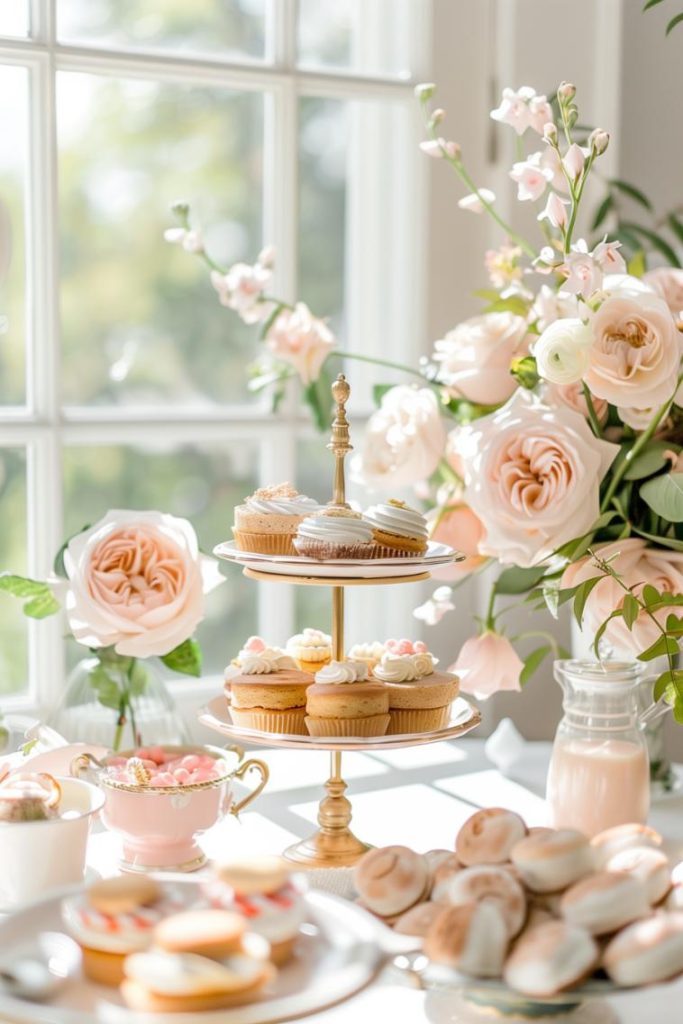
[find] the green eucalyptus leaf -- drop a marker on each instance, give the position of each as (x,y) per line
(678,705)
(186,658)
(665,645)
(582,594)
(531,663)
(676,226)
(664,495)
(650,460)
(665,542)
(632,192)
(651,3)
(650,595)
(517,581)
(40,603)
(512,304)
(656,241)
(108,692)
(636,265)
(318,395)
(630,610)
(602,211)
(601,630)
(669,28)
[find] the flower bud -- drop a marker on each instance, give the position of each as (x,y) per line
(181,209)
(550,133)
(438,116)
(452,150)
(599,141)
(424,91)
(566,92)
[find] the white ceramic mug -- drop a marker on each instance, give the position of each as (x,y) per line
(37,857)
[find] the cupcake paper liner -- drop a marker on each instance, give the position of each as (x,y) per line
(323,551)
(287,723)
(407,721)
(373,725)
(265,543)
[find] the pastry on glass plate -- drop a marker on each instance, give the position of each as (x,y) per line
(419,698)
(268,692)
(398,530)
(335,532)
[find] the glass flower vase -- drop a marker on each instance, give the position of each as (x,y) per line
(118,703)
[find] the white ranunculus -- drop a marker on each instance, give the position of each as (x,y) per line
(562,351)
(404,440)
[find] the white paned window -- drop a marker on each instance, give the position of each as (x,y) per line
(122,379)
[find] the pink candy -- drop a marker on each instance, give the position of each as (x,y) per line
(406,647)
(167,769)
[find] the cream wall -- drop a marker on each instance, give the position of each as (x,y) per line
(630,81)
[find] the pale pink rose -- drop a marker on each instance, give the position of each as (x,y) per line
(533,477)
(636,352)
(609,259)
(301,339)
(637,564)
(582,272)
(488,664)
(523,109)
(555,211)
(243,286)
(435,607)
(459,528)
(404,440)
(550,305)
(531,178)
(473,202)
(475,356)
(572,396)
(136,582)
(667,282)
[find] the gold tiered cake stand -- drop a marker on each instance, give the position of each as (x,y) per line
(334,845)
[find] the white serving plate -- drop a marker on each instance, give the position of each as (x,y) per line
(216,715)
(338,954)
(367,568)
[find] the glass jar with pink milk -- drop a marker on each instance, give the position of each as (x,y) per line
(599,771)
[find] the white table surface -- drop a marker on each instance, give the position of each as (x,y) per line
(418,797)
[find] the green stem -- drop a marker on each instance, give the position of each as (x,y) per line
(490,620)
(592,415)
(548,637)
(637,448)
(448,474)
(120,723)
(576,201)
(343,354)
(129,703)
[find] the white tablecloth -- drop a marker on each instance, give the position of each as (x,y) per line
(418,796)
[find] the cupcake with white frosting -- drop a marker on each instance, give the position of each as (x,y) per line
(311,649)
(370,654)
(344,702)
(267,521)
(398,530)
(419,698)
(335,532)
(268,692)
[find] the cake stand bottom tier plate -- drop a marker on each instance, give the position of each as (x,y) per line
(216,715)
(337,955)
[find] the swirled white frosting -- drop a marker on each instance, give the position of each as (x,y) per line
(314,639)
(342,672)
(399,519)
(336,529)
(298,506)
(367,652)
(403,668)
(272,659)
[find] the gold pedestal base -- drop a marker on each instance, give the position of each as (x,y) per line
(334,844)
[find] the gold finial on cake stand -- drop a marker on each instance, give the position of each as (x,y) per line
(340,444)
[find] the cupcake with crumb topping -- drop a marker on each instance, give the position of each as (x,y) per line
(335,532)
(267,521)
(343,702)
(398,530)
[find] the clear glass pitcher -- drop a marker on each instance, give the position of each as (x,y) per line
(599,772)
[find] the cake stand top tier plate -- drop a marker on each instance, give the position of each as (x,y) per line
(342,571)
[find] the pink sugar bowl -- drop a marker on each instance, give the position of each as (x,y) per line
(161,799)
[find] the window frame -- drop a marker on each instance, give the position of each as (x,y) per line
(44,426)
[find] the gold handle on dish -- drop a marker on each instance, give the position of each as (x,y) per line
(239,773)
(233,748)
(81,763)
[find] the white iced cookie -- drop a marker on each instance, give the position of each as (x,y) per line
(648,864)
(491,884)
(647,951)
(550,958)
(550,861)
(622,837)
(472,939)
(604,902)
(488,836)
